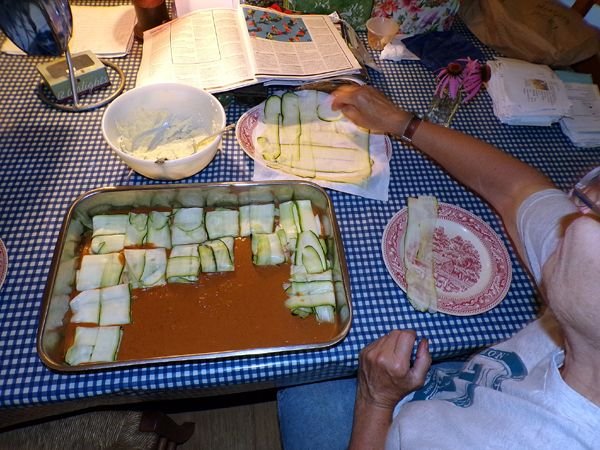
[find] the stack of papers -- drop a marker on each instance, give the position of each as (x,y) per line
(526,94)
(582,126)
(107,31)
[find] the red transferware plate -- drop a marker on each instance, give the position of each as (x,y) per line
(473,271)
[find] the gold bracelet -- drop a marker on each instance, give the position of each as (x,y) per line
(411,128)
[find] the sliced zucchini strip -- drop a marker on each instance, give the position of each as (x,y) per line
(107,224)
(222,222)
(188,226)
(223,253)
(83,346)
(289,219)
(115,305)
(418,253)
(300,274)
(159,232)
(98,271)
(137,229)
(208,263)
(269,140)
(310,300)
(107,344)
(310,253)
(308,220)
(303,136)
(244,217)
(267,249)
(110,243)
(183,265)
(262,218)
(325,313)
(146,267)
(85,307)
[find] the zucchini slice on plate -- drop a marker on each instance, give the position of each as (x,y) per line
(303,136)
(418,253)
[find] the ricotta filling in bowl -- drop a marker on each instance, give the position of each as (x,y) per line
(159,136)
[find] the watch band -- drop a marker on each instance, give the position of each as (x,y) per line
(410,129)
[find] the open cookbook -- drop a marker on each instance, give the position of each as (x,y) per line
(223,48)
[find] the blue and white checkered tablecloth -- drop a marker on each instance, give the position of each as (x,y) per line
(49,157)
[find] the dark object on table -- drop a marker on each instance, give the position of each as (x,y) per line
(170,434)
(439,48)
(150,14)
(248,96)
(538,31)
(38,27)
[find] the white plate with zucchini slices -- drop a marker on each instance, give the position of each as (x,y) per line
(296,135)
(472,270)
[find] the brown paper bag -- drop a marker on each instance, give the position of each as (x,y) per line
(538,31)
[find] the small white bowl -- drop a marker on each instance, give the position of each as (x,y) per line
(181,102)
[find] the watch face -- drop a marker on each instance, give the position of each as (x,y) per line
(38,27)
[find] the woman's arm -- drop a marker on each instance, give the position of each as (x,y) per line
(499,178)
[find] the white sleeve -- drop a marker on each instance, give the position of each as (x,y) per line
(539,225)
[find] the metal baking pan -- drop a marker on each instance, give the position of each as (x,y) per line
(61,281)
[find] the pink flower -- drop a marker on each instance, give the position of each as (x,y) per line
(464,76)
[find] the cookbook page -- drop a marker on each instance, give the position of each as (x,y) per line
(205,48)
(297,46)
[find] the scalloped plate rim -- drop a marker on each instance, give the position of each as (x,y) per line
(3,263)
(390,266)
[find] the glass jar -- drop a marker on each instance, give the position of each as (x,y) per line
(443,108)
(150,14)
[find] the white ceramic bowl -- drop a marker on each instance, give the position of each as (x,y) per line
(181,102)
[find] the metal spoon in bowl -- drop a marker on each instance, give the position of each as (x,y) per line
(216,133)
(157,131)
(203,140)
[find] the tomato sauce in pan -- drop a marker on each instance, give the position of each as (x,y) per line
(238,310)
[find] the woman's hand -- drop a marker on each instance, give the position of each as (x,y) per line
(385,371)
(369,108)
(385,376)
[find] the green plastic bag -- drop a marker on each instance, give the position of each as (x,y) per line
(355,12)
